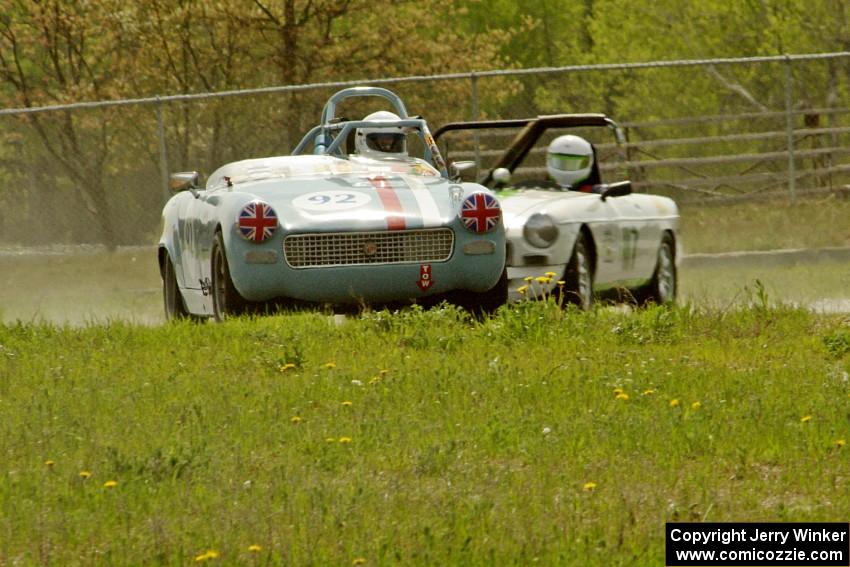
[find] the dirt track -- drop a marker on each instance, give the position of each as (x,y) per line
(89,285)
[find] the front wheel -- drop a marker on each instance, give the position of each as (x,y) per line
(485,302)
(663,285)
(173,300)
(578,277)
(226,299)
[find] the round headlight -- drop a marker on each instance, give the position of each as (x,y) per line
(257,222)
(480,213)
(540,230)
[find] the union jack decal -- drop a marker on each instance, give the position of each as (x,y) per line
(480,213)
(257,222)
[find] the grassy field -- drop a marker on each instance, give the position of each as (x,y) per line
(421,438)
(767,225)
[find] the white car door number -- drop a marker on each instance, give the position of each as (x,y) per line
(327,201)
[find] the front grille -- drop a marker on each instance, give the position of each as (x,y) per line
(364,248)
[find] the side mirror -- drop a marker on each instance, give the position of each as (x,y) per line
(184,181)
(501,176)
(463,171)
(620,189)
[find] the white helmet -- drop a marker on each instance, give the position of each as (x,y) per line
(381,142)
(569,160)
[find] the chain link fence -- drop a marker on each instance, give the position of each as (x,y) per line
(699,130)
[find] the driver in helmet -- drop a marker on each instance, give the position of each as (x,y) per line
(571,162)
(381,142)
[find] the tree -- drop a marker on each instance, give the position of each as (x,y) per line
(51,54)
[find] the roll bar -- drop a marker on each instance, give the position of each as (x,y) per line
(328,136)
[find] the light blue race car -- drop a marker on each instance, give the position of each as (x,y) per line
(375,226)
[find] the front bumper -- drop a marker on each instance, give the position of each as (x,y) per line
(261,273)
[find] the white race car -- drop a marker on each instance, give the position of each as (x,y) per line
(568,243)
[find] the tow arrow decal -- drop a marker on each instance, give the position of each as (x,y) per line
(425,280)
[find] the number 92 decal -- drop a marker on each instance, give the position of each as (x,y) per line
(327,201)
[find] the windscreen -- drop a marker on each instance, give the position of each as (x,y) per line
(486,147)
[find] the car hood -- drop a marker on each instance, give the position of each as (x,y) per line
(352,202)
(523,202)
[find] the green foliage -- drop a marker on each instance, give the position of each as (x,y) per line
(417,436)
(654,325)
(838,343)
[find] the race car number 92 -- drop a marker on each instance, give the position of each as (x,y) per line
(327,201)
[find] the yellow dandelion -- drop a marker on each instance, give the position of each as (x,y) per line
(696,405)
(622,396)
(840,443)
(561,283)
(543,279)
(522,289)
(648,392)
(589,486)
(295,419)
(110,484)
(550,274)
(254,548)
(618,391)
(805,419)
(49,463)
(330,439)
(286,367)
(85,474)
(346,404)
(527,278)
(674,403)
(345,440)
(206,556)
(330,365)
(359,561)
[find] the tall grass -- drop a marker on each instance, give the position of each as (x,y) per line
(420,437)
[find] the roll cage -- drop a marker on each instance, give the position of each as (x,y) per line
(532,129)
(328,136)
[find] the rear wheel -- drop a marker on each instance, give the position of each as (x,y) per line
(578,277)
(662,287)
(226,299)
(172,298)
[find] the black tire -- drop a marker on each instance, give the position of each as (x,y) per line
(226,299)
(578,276)
(175,308)
(486,302)
(664,284)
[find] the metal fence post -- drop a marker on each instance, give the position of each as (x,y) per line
(163,150)
(789,130)
(473,79)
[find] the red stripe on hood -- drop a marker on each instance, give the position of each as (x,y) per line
(392,205)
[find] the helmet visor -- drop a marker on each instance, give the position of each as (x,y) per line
(568,162)
(387,142)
